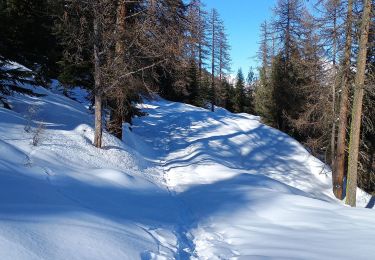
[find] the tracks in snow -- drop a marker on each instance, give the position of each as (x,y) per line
(185,245)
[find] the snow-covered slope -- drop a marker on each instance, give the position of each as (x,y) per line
(185,183)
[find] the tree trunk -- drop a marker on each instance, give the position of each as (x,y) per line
(117,112)
(98,87)
(200,47)
(98,121)
(339,168)
(287,36)
(213,94)
(221,64)
(355,128)
(333,131)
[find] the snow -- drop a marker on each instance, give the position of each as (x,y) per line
(186,183)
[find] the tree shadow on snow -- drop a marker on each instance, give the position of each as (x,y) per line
(35,199)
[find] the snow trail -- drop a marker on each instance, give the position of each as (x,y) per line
(186,183)
(250,190)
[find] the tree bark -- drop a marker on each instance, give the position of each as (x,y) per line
(117,116)
(213,94)
(355,128)
(339,168)
(200,47)
(98,87)
(98,121)
(333,131)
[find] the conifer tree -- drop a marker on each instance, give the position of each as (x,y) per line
(249,91)
(264,93)
(193,84)
(228,95)
(240,95)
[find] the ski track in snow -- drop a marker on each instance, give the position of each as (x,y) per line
(185,184)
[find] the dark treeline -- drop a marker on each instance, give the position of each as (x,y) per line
(316,83)
(121,51)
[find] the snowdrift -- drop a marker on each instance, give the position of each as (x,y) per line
(186,183)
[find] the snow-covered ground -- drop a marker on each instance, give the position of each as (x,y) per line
(185,184)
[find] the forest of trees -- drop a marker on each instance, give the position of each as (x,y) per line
(122,51)
(315,82)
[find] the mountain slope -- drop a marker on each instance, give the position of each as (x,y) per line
(185,183)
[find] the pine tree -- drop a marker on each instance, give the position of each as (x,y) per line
(193,85)
(240,95)
(265,104)
(249,91)
(227,96)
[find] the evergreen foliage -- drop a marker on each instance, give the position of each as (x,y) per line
(240,97)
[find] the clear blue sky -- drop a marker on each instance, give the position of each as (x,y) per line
(242,19)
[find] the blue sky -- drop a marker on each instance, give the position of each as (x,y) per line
(242,19)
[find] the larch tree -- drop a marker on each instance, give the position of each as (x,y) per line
(264,98)
(197,17)
(223,66)
(339,168)
(214,31)
(126,40)
(330,23)
(224,58)
(355,127)
(197,51)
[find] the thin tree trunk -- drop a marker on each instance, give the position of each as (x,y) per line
(98,87)
(200,47)
(200,62)
(221,64)
(355,128)
(213,94)
(333,132)
(339,168)
(287,37)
